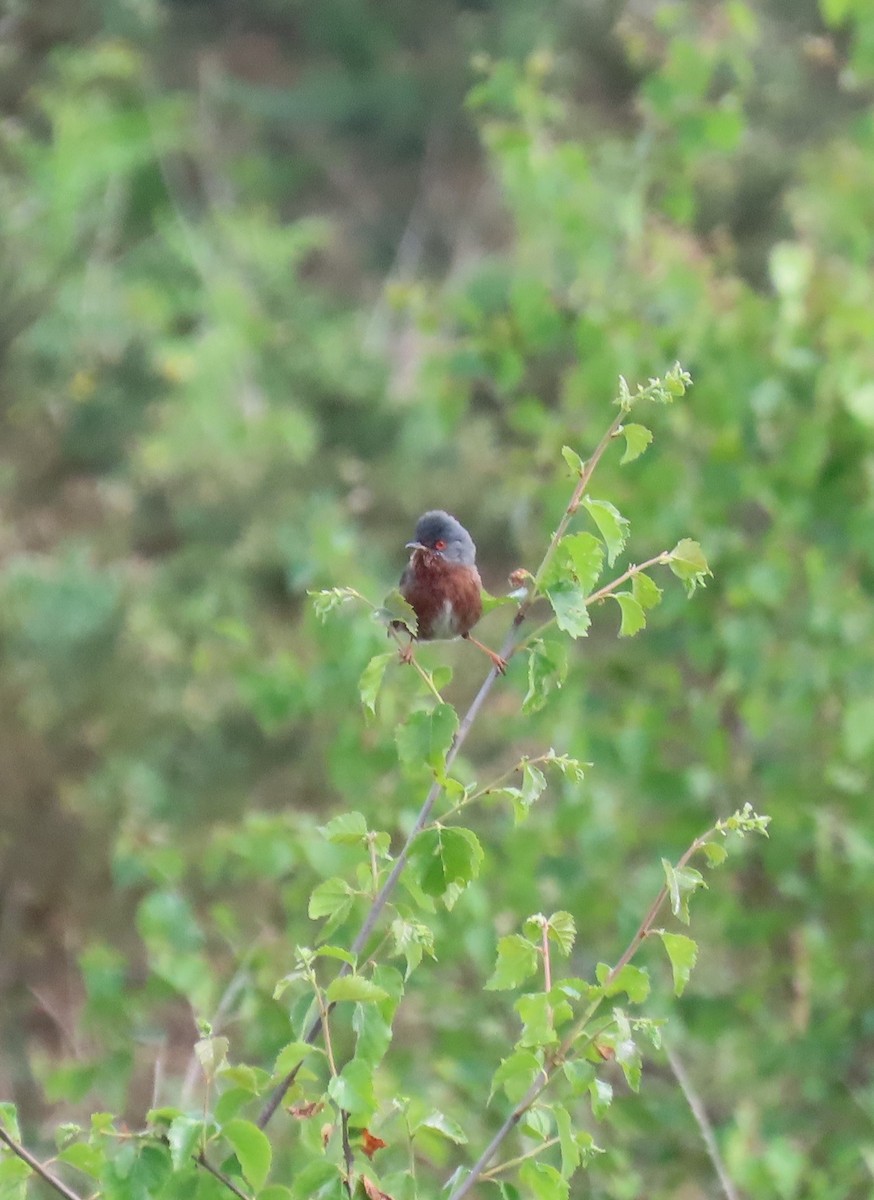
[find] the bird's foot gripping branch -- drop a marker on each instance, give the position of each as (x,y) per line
(345,1130)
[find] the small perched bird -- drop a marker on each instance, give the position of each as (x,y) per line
(441,583)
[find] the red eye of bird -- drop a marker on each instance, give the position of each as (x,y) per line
(440,544)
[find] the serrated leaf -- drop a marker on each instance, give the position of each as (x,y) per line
(637,438)
(633,616)
(612,526)
(184,1137)
(578,558)
(562,930)
(569,605)
(445,857)
(212,1053)
(440,1123)
(84,1157)
(547,671)
(290,1056)
(579,1074)
(570,767)
(537,1122)
(331,898)
(352,1089)
(533,784)
(688,563)
(537,1020)
(412,939)
(491,602)
(517,961)
(683,953)
(355,987)
(396,609)
(629,1059)
(645,591)
(600,1097)
(515,1075)
(371,680)
(425,737)
(252,1148)
(542,1181)
(347,829)
(634,981)
(573,460)
(715,853)
(326,601)
(682,882)
(570,1151)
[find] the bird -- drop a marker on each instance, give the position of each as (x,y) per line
(442,584)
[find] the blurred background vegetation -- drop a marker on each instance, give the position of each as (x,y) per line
(276,277)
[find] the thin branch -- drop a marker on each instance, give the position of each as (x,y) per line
(520,1158)
(699,1112)
(203,1161)
(37,1167)
(610,588)
(348,1155)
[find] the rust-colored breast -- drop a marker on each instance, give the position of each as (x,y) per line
(446,597)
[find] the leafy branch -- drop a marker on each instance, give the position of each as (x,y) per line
(661,391)
(681,882)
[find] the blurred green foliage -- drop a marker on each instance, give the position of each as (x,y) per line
(274,283)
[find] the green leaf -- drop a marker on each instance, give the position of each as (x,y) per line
(352,1089)
(612,526)
(715,853)
(637,438)
(547,671)
(537,1020)
(515,1075)
(184,1137)
(371,680)
(537,1122)
(570,1151)
(319,1177)
(331,898)
(373,1032)
(573,460)
(569,605)
(395,608)
(276,1191)
(9,1119)
(562,930)
(517,961)
(579,1074)
(348,829)
(444,1125)
(571,768)
(682,952)
(632,980)
(212,1053)
(633,616)
(688,563)
(533,784)
(491,602)
(600,1097)
(355,987)
(682,882)
(84,1157)
(252,1148)
(327,601)
(541,1181)
(579,558)
(335,952)
(646,593)
(425,737)
(412,939)
(445,857)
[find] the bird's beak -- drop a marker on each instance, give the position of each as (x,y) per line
(415,546)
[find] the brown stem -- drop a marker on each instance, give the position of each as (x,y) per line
(610,588)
